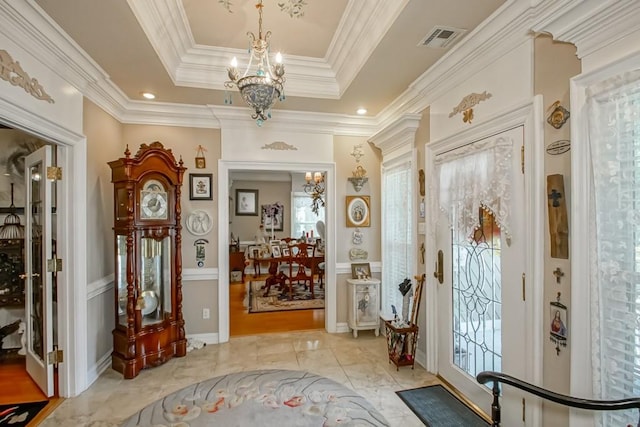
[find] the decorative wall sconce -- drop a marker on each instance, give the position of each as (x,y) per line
(314,187)
(359,178)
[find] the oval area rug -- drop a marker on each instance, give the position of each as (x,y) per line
(260,398)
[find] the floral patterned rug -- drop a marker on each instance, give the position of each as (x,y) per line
(277,300)
(261,398)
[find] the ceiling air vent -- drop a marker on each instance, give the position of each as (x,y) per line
(441,37)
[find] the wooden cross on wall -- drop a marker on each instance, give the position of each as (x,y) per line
(558,221)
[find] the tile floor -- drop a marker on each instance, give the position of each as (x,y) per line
(359,363)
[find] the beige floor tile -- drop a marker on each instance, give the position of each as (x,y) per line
(358,363)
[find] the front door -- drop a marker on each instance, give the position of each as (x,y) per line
(481,313)
(38,283)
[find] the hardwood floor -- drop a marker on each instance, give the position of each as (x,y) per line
(245,323)
(16,385)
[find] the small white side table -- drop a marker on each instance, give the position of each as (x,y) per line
(364,306)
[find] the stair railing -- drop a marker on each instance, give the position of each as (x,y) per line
(562,399)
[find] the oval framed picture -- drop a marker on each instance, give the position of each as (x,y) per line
(358,208)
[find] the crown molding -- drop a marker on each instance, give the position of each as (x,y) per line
(206,67)
(614,20)
(362,27)
(297,121)
(188,64)
(397,136)
(506,29)
(28,25)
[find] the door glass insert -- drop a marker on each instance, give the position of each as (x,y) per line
(36,274)
(477,297)
(155,279)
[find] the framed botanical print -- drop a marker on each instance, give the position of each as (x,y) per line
(358,208)
(246,202)
(200,186)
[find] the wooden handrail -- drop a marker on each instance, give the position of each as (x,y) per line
(562,399)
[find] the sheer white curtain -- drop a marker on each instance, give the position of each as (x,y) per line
(474,176)
(397,232)
(303,220)
(613,109)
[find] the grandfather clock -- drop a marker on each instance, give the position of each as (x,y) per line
(148,263)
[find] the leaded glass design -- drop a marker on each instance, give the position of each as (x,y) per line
(37,302)
(477,298)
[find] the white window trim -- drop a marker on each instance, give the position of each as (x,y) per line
(581,188)
(408,155)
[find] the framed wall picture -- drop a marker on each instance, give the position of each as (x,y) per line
(200,186)
(273,217)
(361,270)
(358,208)
(246,202)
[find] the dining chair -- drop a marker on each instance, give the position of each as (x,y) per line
(297,266)
(317,264)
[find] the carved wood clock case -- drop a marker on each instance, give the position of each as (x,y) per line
(148,263)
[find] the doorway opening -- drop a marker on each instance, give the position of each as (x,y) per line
(28,293)
(230,173)
(269,209)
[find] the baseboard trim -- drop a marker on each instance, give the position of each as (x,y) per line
(210,338)
(96,370)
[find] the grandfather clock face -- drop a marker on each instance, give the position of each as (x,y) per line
(153,200)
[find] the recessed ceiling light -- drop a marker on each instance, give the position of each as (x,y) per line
(148,95)
(362,111)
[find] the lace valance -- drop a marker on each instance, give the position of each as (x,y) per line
(478,175)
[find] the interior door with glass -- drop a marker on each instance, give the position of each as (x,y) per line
(481,313)
(38,283)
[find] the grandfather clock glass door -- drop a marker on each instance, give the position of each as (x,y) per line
(38,283)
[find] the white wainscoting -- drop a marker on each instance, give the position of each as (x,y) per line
(100,288)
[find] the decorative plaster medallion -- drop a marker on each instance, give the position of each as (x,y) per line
(469,101)
(12,72)
(358,254)
(357,237)
(199,223)
(278,145)
(357,152)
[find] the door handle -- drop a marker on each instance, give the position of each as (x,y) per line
(25,275)
(439,273)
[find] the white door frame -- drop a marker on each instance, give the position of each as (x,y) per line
(530,115)
(71,223)
(224,166)
(38,366)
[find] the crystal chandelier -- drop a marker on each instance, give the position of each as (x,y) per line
(261,87)
(315,188)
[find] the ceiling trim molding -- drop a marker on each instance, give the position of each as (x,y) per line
(203,66)
(506,29)
(165,24)
(361,29)
(575,23)
(28,25)
(298,121)
(399,135)
(363,25)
